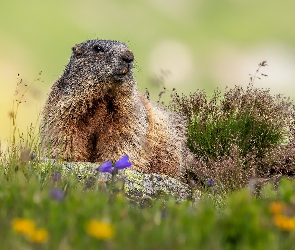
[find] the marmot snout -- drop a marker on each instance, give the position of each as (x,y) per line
(95,113)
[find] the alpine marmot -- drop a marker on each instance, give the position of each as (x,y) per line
(95,113)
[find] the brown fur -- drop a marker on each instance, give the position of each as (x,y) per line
(94,113)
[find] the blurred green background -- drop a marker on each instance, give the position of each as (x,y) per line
(191,44)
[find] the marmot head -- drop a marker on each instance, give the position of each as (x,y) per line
(99,71)
(101,61)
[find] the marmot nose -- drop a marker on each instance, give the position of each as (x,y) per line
(128,56)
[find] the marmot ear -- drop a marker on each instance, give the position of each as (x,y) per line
(77,50)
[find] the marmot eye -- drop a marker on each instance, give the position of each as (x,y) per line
(98,49)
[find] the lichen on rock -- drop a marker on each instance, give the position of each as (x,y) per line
(137,185)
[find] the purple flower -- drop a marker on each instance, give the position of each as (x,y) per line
(56,194)
(56,176)
(106,167)
(210,182)
(123,162)
(120,164)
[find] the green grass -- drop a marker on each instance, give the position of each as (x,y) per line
(245,222)
(43,207)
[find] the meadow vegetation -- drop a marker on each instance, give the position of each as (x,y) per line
(240,135)
(244,146)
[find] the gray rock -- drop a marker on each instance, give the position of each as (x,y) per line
(137,185)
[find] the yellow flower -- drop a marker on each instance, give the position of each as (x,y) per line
(39,235)
(284,222)
(23,226)
(276,207)
(100,230)
(28,228)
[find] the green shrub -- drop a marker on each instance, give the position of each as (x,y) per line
(240,135)
(252,119)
